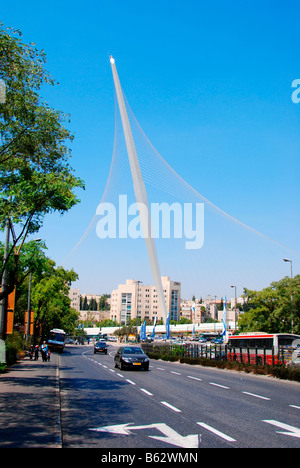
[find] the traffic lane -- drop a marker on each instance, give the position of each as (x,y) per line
(201,403)
(284,393)
(243,411)
(174,393)
(181,404)
(175,420)
(93,397)
(276,403)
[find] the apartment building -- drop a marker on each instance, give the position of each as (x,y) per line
(74,296)
(135,299)
(187,311)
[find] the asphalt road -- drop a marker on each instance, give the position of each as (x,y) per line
(172,406)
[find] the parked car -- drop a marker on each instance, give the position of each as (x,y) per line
(112,338)
(100,347)
(131,357)
(218,341)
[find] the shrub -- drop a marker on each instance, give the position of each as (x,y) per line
(13,348)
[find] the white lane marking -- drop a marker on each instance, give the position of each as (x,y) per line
(165,403)
(294,406)
(194,378)
(216,432)
(130,381)
(146,391)
(256,396)
(170,436)
(177,373)
(160,368)
(291,431)
(120,375)
(218,385)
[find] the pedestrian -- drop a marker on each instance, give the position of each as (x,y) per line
(48,355)
(44,349)
(36,352)
(31,352)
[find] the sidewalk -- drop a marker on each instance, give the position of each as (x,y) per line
(29,405)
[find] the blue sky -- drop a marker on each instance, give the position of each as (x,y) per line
(210,84)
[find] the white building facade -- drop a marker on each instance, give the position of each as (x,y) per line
(136,300)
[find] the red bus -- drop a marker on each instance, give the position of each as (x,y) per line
(261,348)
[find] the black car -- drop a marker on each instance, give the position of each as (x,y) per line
(100,347)
(131,357)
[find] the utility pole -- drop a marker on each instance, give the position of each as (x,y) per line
(292,299)
(3,302)
(234,307)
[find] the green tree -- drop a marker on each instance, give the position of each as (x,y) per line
(51,303)
(275,309)
(35,176)
(32,259)
(125,331)
(85,303)
(108,323)
(103,304)
(92,304)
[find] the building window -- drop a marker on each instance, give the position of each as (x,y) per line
(125,307)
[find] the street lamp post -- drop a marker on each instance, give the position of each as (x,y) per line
(3,302)
(291,264)
(29,303)
(28,309)
(234,306)
(137,302)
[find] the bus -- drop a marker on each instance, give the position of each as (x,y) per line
(261,348)
(56,341)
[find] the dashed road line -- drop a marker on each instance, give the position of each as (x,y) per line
(218,385)
(130,381)
(294,406)
(165,403)
(256,396)
(146,391)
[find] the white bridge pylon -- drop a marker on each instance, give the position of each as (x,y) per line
(140,193)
